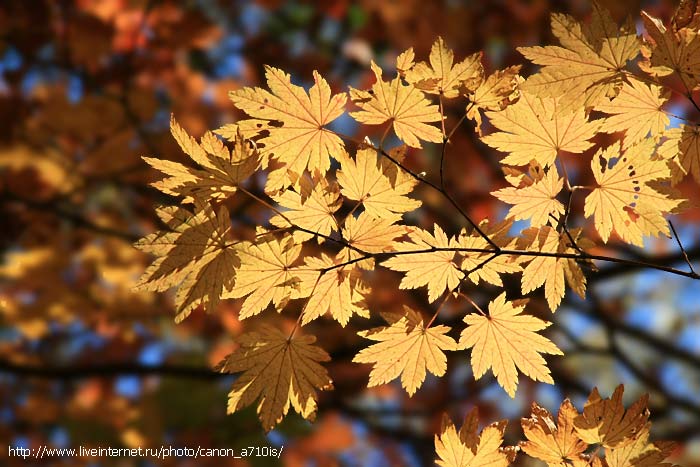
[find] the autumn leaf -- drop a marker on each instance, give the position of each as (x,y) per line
(589,65)
(637,111)
(606,422)
(300,140)
(545,270)
(640,453)
(443,76)
(369,234)
(330,288)
(496,92)
(407,348)
(280,371)
(668,51)
(467,448)
(195,255)
(625,201)
(222,170)
(537,128)
(265,275)
(404,105)
(534,199)
(505,340)
(683,147)
(378,184)
(485,266)
(554,442)
(435,269)
(312,207)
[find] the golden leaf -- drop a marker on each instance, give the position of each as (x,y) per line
(442,75)
(435,269)
(640,453)
(380,185)
(537,128)
(505,340)
(493,93)
(406,348)
(624,200)
(684,143)
(405,106)
(556,443)
(311,208)
(589,65)
(475,264)
(265,274)
(223,170)
(195,256)
(545,270)
(467,449)
(636,110)
(606,422)
(534,200)
(300,140)
(369,234)
(280,371)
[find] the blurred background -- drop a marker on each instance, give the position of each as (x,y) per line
(87,87)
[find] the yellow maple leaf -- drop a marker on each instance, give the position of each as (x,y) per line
(505,340)
(369,234)
(380,185)
(494,93)
(280,371)
(435,269)
(589,65)
(485,266)
(195,255)
(466,448)
(404,105)
(673,50)
(683,147)
(606,422)
(536,128)
(545,270)
(407,348)
(640,453)
(443,76)
(556,443)
(311,207)
(265,275)
(335,290)
(534,199)
(637,111)
(624,200)
(222,170)
(295,122)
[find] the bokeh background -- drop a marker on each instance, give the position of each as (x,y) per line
(87,87)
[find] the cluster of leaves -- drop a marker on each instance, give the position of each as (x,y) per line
(605,434)
(337,204)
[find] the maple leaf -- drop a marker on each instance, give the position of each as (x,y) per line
(442,76)
(380,185)
(405,106)
(407,348)
(369,234)
(496,92)
(589,65)
(505,340)
(265,274)
(636,110)
(468,449)
(536,128)
(640,453)
(435,269)
(281,371)
(545,270)
(624,200)
(300,140)
(337,290)
(311,208)
(606,422)
(668,51)
(195,255)
(556,443)
(222,170)
(533,198)
(485,266)
(683,144)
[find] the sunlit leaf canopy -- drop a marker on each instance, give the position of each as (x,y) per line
(88,89)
